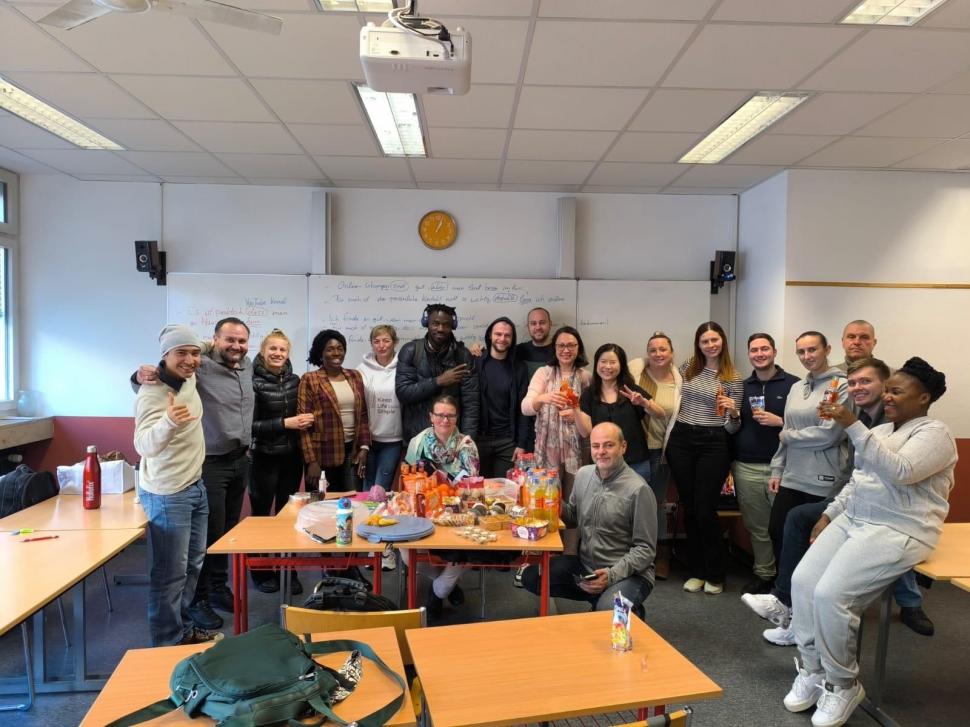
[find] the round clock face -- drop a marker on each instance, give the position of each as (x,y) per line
(438,230)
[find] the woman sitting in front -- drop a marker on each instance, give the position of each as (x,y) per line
(446,449)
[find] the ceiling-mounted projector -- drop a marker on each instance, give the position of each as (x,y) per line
(416,55)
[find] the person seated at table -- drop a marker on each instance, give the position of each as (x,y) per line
(615,512)
(446,449)
(168,436)
(888,518)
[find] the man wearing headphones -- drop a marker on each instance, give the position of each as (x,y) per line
(434,365)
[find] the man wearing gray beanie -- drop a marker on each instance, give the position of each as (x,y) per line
(168,436)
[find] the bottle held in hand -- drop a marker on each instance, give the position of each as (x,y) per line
(718,407)
(830,397)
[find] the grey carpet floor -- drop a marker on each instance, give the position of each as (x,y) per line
(926,680)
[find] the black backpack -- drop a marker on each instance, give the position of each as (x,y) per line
(23,487)
(345,594)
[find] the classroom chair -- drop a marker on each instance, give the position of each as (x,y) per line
(680,718)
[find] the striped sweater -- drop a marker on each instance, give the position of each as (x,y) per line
(699,397)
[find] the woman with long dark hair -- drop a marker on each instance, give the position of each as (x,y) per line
(699,453)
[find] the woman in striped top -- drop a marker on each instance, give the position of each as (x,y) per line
(698,451)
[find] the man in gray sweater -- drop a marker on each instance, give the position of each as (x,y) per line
(616,515)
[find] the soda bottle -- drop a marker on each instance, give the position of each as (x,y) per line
(718,408)
(92,479)
(553,498)
(830,397)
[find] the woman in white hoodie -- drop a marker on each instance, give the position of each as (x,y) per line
(379,368)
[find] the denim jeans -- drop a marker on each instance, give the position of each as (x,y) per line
(563,570)
(382,463)
(225,484)
(177,526)
(657,478)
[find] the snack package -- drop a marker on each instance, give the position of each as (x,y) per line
(620,638)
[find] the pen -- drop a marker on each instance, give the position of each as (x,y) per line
(22,531)
(44,537)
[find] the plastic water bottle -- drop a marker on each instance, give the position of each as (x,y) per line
(345,521)
(92,480)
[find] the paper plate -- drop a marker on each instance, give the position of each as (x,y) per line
(408,527)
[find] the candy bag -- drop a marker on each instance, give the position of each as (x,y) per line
(620,638)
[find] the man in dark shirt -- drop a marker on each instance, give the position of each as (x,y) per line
(536,351)
(503,430)
(762,417)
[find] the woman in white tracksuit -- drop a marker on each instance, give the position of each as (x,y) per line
(887,519)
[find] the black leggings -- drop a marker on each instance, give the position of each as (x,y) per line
(273,478)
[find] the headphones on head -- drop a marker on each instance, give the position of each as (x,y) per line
(426,314)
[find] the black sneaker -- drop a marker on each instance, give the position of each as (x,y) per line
(916,619)
(199,636)
(296,588)
(758,585)
(266,582)
(203,615)
(434,605)
(456,597)
(221,598)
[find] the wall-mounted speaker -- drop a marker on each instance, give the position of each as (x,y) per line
(148,259)
(723,269)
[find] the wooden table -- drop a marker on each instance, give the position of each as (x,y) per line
(951,557)
(558,667)
(141,678)
(446,538)
(259,535)
(66,512)
(36,573)
(962,583)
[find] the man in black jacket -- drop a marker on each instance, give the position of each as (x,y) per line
(434,365)
(504,432)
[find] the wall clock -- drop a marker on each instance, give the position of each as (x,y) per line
(438,230)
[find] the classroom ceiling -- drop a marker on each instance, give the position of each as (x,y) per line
(567,95)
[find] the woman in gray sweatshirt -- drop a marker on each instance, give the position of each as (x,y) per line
(887,519)
(808,466)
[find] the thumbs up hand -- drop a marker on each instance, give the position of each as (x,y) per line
(178,413)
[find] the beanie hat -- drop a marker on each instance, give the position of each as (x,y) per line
(932,380)
(175,335)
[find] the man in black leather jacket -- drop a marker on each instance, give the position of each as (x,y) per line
(434,365)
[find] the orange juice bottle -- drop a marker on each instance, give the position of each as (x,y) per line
(718,408)
(830,397)
(552,501)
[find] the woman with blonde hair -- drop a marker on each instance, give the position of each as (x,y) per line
(379,369)
(658,376)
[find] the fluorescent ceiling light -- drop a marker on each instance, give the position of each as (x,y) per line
(757,114)
(891,12)
(19,102)
(394,120)
(355,6)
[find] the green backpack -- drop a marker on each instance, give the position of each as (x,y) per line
(262,677)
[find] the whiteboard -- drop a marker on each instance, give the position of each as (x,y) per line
(627,312)
(354,304)
(264,302)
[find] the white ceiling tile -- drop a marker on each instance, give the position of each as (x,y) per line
(365,169)
(626,9)
(559,145)
(16,133)
(951,155)
(959,83)
(611,189)
(179,163)
(885,59)
(952,14)
(598,53)
(498,47)
(704,190)
(835,114)
(149,43)
(782,11)
(84,161)
(720,175)
(143,135)
(221,136)
(197,99)
(466,143)
(456,170)
(778,149)
(295,166)
(932,115)
(143,178)
(372,184)
(867,151)
(22,164)
(637,146)
(476,186)
(343,140)
(311,102)
(310,46)
(82,94)
(23,47)
(177,179)
(482,107)
(683,110)
(630,174)
(508,8)
(533,172)
(285,182)
(549,107)
(523,187)
(722,56)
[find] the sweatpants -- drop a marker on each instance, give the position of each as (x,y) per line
(751,485)
(844,571)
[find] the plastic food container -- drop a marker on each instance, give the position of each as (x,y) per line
(530,529)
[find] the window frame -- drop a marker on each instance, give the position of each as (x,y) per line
(9,238)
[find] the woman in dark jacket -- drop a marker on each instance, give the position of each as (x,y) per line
(277,463)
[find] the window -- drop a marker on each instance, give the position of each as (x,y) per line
(3,203)
(9,206)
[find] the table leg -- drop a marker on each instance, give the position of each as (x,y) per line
(376,565)
(413,580)
(544,585)
(872,704)
(244,591)
(236,595)
(30,674)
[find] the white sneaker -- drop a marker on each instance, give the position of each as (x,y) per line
(780,636)
(805,690)
(836,705)
(388,561)
(713,588)
(693,585)
(768,607)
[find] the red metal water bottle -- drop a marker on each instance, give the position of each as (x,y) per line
(92,480)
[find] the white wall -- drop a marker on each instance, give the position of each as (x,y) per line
(87,305)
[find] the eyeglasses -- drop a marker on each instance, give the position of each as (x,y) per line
(444,417)
(566,346)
